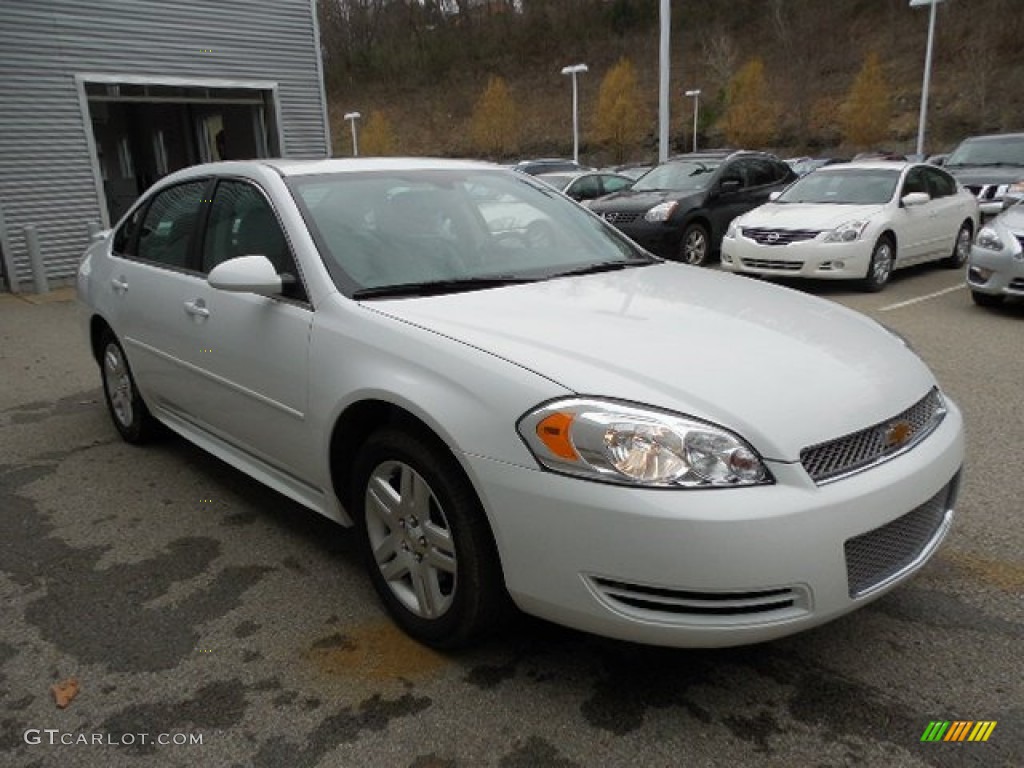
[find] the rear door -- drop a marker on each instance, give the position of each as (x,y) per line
(948,208)
(151,281)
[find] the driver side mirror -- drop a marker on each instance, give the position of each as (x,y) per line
(915,198)
(246,274)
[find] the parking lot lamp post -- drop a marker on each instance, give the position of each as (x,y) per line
(927,70)
(352,117)
(696,109)
(574,70)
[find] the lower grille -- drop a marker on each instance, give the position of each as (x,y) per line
(876,557)
(787,266)
(645,599)
(765,236)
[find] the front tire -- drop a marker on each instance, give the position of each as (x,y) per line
(883,257)
(428,547)
(695,246)
(986,299)
(127,409)
(961,248)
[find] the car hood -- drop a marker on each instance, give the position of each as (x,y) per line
(629,200)
(806,215)
(782,369)
(976,175)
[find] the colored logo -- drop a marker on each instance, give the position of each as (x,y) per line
(958,730)
(897,434)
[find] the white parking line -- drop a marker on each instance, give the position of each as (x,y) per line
(908,302)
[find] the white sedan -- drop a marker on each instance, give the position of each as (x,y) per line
(639,449)
(856,221)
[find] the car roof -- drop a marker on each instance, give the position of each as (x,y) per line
(995,137)
(862,165)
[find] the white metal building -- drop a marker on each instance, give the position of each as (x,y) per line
(100,98)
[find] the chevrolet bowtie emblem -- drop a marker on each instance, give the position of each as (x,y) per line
(897,434)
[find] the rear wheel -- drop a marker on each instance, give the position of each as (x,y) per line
(695,246)
(127,408)
(880,268)
(986,299)
(961,248)
(426,540)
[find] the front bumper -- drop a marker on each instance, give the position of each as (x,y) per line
(998,273)
(808,259)
(660,238)
(712,567)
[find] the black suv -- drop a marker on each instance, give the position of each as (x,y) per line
(681,209)
(989,166)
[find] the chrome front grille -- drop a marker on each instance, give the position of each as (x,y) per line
(645,600)
(983,191)
(620,217)
(835,459)
(765,236)
(877,557)
(785,266)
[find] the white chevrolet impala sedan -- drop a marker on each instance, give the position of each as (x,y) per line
(554,421)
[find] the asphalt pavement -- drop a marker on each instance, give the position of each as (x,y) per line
(208,621)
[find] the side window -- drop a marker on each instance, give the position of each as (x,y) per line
(940,184)
(169,223)
(760,173)
(780,172)
(585,188)
(735,171)
(242,223)
(915,182)
(614,184)
(124,238)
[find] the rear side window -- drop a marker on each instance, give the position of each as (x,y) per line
(169,223)
(124,238)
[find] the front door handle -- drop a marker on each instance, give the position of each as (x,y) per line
(119,284)
(197,308)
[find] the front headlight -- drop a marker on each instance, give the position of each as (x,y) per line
(661,211)
(847,232)
(732,230)
(632,445)
(989,239)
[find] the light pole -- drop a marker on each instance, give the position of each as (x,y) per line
(927,70)
(352,117)
(696,108)
(665,24)
(575,69)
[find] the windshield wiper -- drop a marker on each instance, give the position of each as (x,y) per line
(606,266)
(435,287)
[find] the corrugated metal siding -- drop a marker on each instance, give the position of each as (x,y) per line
(46,174)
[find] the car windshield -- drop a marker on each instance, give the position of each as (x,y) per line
(687,175)
(843,187)
(451,230)
(1007,150)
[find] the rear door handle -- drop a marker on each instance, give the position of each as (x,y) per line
(197,308)
(119,284)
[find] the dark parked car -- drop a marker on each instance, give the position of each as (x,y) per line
(990,166)
(588,185)
(549,165)
(681,209)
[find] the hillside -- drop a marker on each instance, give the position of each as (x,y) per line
(424,68)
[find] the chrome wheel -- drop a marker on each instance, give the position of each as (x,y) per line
(880,268)
(118,383)
(410,539)
(694,248)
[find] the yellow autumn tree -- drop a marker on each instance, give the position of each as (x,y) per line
(620,122)
(494,128)
(378,138)
(749,120)
(864,116)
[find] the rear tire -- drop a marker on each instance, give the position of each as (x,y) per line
(883,257)
(427,543)
(961,247)
(127,409)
